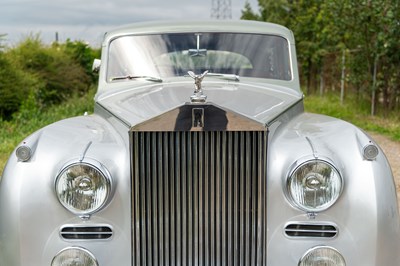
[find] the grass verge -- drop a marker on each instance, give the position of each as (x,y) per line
(354,113)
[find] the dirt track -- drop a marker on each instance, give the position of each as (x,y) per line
(392,151)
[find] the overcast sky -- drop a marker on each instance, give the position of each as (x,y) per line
(88,20)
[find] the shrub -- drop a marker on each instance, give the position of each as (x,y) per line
(60,75)
(14,86)
(37,76)
(83,54)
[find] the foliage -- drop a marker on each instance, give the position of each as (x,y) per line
(14,86)
(83,54)
(248,13)
(60,74)
(40,75)
(364,35)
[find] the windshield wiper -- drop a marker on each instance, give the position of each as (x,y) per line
(149,78)
(224,76)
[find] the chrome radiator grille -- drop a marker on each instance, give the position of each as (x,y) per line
(199,198)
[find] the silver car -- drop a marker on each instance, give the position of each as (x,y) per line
(199,152)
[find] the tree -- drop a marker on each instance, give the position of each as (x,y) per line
(307,20)
(366,32)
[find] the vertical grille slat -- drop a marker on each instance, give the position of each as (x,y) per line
(160,197)
(230,200)
(207,215)
(236,186)
(173,217)
(199,198)
(200,185)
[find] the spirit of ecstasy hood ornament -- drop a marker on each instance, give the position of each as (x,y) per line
(198,92)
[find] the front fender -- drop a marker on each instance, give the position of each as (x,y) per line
(31,215)
(366,213)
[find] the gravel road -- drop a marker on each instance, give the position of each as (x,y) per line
(392,151)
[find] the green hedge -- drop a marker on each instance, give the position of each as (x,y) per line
(40,75)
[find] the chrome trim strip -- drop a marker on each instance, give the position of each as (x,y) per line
(84,232)
(99,108)
(301,230)
(284,112)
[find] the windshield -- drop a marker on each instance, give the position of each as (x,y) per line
(166,55)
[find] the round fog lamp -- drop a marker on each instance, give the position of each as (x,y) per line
(74,256)
(326,256)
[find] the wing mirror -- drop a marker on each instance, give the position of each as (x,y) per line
(96,65)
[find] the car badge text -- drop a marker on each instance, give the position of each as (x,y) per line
(198,96)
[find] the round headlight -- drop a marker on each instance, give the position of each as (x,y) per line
(314,185)
(74,256)
(322,255)
(83,188)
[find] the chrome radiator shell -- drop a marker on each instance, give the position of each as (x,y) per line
(199,197)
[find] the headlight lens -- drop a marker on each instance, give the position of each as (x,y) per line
(74,256)
(314,185)
(327,256)
(83,187)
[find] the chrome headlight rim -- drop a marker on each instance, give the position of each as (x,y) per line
(315,249)
(81,250)
(97,166)
(296,166)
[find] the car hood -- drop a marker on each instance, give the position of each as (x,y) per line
(259,102)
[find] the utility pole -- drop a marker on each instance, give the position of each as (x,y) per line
(221,9)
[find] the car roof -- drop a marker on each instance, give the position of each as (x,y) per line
(240,26)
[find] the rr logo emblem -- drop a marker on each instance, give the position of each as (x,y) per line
(198,117)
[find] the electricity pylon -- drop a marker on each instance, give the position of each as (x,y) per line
(221,9)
